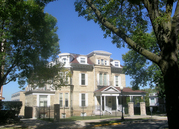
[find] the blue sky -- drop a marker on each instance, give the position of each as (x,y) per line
(77,35)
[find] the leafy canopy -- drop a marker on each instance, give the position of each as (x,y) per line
(28,39)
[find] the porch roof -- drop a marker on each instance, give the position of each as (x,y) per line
(125,90)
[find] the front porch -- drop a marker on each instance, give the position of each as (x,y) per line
(110,99)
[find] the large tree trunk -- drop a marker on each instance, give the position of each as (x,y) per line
(171,80)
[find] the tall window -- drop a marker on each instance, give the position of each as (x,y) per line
(100,79)
(82,79)
(61,99)
(82,60)
(105,79)
(42,100)
(83,100)
(116,81)
(66,99)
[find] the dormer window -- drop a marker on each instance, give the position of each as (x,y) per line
(116,64)
(82,60)
(105,62)
(102,62)
(98,61)
(64,60)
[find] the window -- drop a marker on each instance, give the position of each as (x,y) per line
(83,100)
(82,79)
(61,99)
(102,61)
(64,60)
(100,79)
(66,99)
(116,80)
(103,79)
(43,100)
(98,61)
(105,62)
(116,64)
(82,60)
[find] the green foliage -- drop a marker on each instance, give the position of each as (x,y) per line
(28,39)
(9,109)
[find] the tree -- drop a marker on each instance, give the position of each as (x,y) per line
(28,39)
(122,19)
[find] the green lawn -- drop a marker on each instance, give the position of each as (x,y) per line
(75,118)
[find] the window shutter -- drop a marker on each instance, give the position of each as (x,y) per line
(98,78)
(119,80)
(96,61)
(80,99)
(79,78)
(86,97)
(108,79)
(86,79)
(114,81)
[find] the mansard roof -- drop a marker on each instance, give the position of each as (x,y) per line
(76,61)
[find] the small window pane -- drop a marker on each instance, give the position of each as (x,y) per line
(82,60)
(82,79)
(82,99)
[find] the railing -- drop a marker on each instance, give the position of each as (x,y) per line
(109,109)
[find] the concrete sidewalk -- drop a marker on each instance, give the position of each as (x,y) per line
(40,124)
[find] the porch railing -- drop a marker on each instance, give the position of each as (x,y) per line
(108,109)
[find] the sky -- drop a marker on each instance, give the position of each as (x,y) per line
(77,35)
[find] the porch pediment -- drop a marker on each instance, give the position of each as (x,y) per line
(108,89)
(111,89)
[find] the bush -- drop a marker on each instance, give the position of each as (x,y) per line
(9,111)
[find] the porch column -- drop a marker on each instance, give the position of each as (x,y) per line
(104,103)
(142,109)
(101,102)
(117,102)
(95,101)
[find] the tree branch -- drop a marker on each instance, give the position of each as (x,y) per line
(149,55)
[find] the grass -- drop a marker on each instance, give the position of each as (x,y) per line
(75,118)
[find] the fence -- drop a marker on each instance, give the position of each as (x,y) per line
(77,112)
